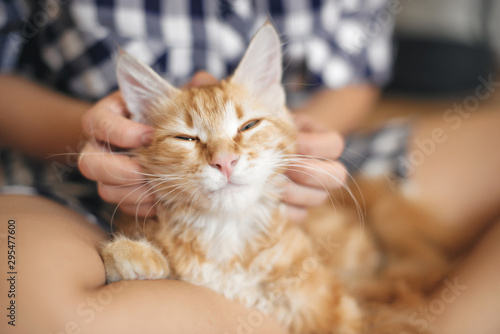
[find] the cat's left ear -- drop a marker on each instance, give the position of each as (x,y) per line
(260,69)
(141,87)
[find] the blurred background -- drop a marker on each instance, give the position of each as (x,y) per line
(443,46)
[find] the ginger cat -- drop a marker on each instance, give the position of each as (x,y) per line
(216,157)
(214,165)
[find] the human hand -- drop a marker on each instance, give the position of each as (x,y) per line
(104,157)
(315,171)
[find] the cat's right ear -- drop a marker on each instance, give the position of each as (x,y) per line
(260,69)
(141,87)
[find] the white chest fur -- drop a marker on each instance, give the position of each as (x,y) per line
(226,240)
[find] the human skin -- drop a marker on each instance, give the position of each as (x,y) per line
(476,304)
(38,121)
(458,180)
(459,183)
(341,110)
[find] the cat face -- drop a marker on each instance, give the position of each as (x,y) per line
(219,147)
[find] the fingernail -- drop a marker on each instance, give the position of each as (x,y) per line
(147,138)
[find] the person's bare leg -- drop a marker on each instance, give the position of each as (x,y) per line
(59,284)
(456,175)
(454,167)
(470,300)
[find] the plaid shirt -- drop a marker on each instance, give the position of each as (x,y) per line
(71,45)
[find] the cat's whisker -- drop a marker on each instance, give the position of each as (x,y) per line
(171,200)
(359,209)
(319,181)
(307,159)
(145,181)
(359,171)
(154,175)
(150,191)
(139,201)
(308,163)
(76,154)
(276,187)
(167,187)
(293,159)
(177,186)
(160,200)
(123,199)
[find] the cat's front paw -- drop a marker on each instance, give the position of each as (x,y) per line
(126,259)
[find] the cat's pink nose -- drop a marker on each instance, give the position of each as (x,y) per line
(225,163)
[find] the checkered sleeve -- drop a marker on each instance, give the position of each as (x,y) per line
(12,14)
(352,43)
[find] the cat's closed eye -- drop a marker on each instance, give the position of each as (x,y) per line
(250,125)
(185,137)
